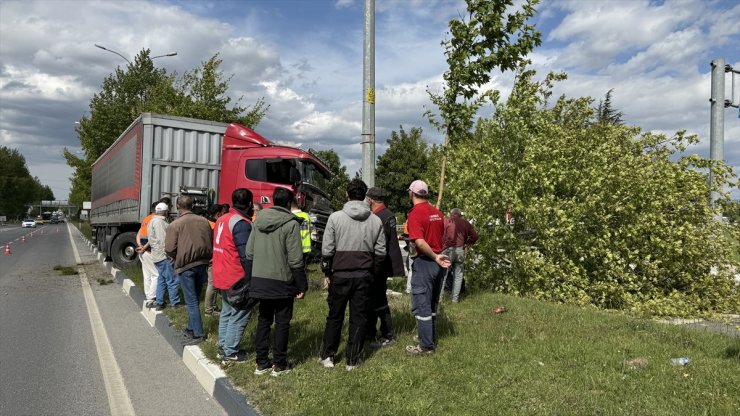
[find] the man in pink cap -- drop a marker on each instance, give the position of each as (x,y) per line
(426,231)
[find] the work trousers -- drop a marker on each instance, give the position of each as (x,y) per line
(426,286)
(354,291)
(379,310)
(279,311)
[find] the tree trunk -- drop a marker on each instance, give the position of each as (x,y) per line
(442,171)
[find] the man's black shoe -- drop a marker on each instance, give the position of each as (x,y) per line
(187,333)
(160,306)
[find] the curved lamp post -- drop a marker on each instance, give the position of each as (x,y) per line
(129,62)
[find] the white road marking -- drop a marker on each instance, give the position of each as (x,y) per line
(118,398)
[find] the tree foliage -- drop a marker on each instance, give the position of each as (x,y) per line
(142,87)
(337,186)
(605,214)
(408,157)
(495,35)
(17,187)
(606,113)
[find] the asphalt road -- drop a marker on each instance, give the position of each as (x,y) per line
(49,361)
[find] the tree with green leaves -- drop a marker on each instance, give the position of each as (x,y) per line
(337,186)
(605,214)
(142,87)
(606,113)
(496,35)
(18,188)
(407,158)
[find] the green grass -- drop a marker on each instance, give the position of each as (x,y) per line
(536,358)
(66,270)
(85,228)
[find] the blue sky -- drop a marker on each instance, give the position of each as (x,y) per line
(305,58)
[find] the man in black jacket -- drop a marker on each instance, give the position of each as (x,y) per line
(392,266)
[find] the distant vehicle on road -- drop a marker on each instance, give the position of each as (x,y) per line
(54,220)
(28,223)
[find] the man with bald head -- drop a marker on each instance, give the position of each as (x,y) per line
(189,242)
(459,234)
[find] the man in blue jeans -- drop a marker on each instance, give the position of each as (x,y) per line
(189,242)
(459,235)
(157,232)
(426,230)
(232,231)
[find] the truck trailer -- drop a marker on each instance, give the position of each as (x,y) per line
(162,155)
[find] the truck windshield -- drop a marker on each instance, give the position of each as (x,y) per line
(314,175)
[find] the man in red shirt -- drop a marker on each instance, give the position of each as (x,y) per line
(459,234)
(426,230)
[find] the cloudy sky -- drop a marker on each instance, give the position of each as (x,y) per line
(305,58)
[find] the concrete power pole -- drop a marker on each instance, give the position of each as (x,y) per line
(717,119)
(368,97)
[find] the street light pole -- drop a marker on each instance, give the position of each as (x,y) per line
(129,62)
(112,51)
(162,56)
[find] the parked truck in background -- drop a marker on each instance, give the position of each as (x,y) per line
(161,155)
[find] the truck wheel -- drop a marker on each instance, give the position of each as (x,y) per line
(123,250)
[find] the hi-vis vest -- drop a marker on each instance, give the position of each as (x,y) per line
(227,266)
(305,230)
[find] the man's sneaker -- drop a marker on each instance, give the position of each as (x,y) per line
(150,304)
(159,306)
(260,370)
(327,362)
(177,305)
(187,333)
(279,371)
(382,343)
(234,358)
(193,341)
(220,353)
(351,367)
(418,350)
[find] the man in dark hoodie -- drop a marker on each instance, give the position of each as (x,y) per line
(353,251)
(275,271)
(392,266)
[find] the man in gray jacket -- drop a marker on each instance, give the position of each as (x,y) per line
(353,251)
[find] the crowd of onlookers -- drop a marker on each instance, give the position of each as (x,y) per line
(255,259)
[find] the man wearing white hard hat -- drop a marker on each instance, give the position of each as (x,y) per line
(157,232)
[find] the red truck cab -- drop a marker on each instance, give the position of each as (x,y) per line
(250,161)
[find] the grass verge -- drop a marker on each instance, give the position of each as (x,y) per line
(536,358)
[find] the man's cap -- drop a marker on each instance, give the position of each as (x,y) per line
(375,193)
(419,187)
(161,207)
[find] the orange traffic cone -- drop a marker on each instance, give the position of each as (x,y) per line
(7,249)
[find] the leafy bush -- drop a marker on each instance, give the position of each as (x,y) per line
(604,214)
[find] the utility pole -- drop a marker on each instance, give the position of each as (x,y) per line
(368,97)
(717,116)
